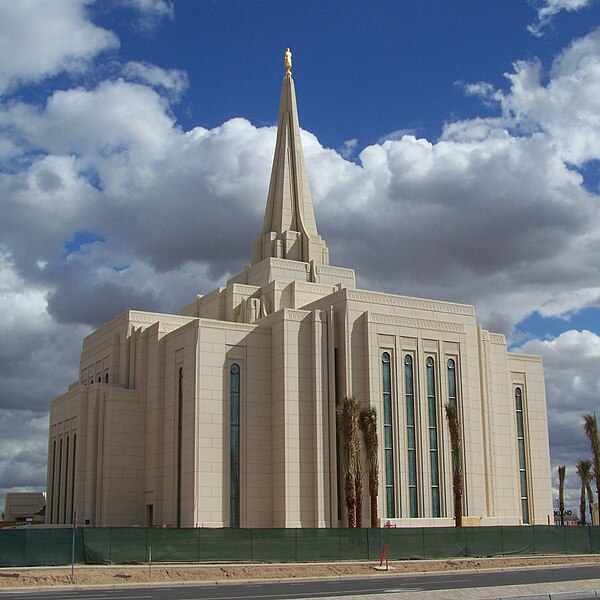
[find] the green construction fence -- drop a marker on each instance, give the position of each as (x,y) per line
(34,546)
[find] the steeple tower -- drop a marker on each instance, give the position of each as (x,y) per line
(289,229)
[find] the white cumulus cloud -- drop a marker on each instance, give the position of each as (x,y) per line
(548,9)
(39,39)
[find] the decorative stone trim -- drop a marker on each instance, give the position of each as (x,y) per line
(497,338)
(339,271)
(408,302)
(230,326)
(295,315)
(416,323)
(242,288)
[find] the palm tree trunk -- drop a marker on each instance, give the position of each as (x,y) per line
(350,489)
(359,501)
(368,426)
(458,501)
(373,493)
(561,493)
(456,447)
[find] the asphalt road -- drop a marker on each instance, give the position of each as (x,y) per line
(295,590)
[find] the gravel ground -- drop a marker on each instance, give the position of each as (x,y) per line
(156,573)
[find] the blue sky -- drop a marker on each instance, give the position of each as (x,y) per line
(453,151)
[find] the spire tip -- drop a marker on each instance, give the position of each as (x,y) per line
(287,61)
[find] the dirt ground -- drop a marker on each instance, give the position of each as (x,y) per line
(119,575)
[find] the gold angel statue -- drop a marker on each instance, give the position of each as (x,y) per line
(287,61)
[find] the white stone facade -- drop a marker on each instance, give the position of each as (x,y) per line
(226,415)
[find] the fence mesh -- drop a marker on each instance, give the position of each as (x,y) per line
(51,546)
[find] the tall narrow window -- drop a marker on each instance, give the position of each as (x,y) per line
(452,382)
(179,440)
(59,486)
(452,400)
(234,445)
(411,435)
(52,490)
(433,438)
(388,436)
(65,520)
(522,456)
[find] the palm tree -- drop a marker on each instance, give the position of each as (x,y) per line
(456,447)
(584,470)
(561,493)
(348,418)
(590,426)
(368,426)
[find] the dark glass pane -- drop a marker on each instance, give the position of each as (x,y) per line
(390,503)
(388,437)
(520,425)
(432,416)
(408,379)
(451,364)
(408,359)
(451,384)
(434,469)
(411,437)
(235,409)
(235,445)
(525,508)
(413,503)
(386,378)
(435,502)
(430,385)
(389,468)
(410,412)
(432,439)
(522,454)
(523,484)
(234,518)
(387,410)
(412,468)
(234,488)
(429,361)
(385,357)
(235,384)
(235,369)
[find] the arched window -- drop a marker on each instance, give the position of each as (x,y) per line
(522,455)
(433,438)
(452,382)
(411,437)
(388,436)
(452,397)
(106,378)
(234,445)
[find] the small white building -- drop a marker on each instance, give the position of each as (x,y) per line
(225,415)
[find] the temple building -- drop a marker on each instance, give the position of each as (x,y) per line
(225,415)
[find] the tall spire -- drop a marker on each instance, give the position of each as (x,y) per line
(289,228)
